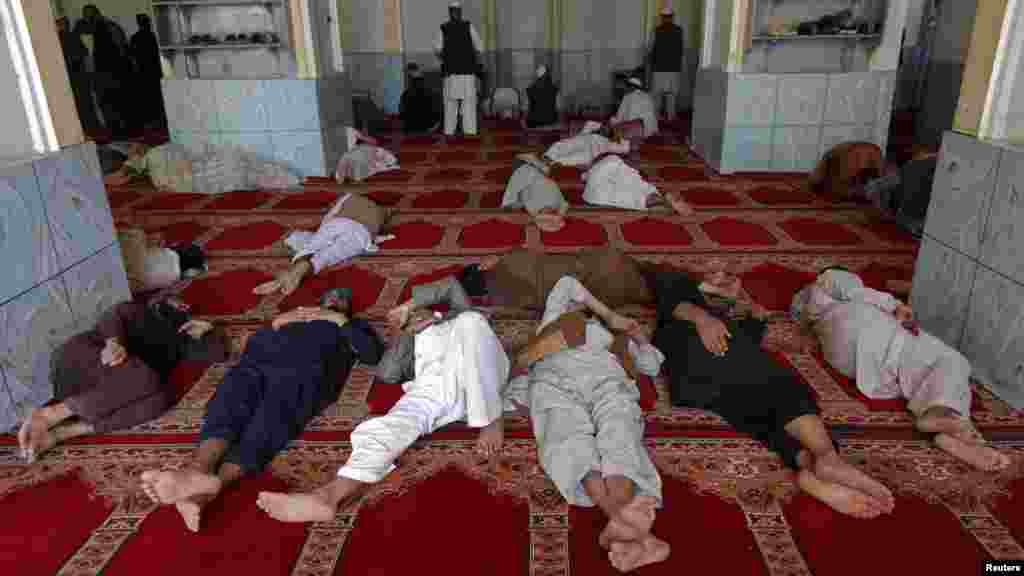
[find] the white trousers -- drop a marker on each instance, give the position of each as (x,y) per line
(665,90)
(464,382)
(460,90)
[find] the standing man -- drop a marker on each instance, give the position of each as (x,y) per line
(667,63)
(458,45)
(106,43)
(145,52)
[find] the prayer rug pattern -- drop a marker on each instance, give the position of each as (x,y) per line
(730,507)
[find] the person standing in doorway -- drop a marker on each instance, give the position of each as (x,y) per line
(106,43)
(145,52)
(667,57)
(458,45)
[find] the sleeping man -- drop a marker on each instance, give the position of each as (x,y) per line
(454,369)
(583,402)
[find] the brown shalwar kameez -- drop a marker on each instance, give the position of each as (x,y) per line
(133,392)
(523,278)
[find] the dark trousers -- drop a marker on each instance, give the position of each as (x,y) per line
(263,405)
(748,388)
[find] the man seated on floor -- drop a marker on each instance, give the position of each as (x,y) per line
(530,187)
(543,100)
(116,375)
(288,373)
(718,365)
(638,104)
(218,169)
(351,227)
(583,402)
(612,182)
(419,108)
(872,337)
(454,368)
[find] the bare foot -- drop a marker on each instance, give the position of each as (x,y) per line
(291,280)
(35,437)
(172,486)
(679,205)
(834,469)
(977,455)
(191,509)
(941,420)
(628,556)
(489,262)
(840,498)
(310,507)
(491,438)
(631,522)
(267,288)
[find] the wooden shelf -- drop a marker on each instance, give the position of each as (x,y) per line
(788,37)
(222,46)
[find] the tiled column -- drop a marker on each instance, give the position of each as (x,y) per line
(57,237)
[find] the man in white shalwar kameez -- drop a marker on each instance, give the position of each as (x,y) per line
(612,182)
(459,370)
(585,147)
(638,104)
(583,402)
(530,187)
(458,46)
(872,337)
(351,228)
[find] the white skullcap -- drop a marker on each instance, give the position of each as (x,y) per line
(455,5)
(636,82)
(666,11)
(541,70)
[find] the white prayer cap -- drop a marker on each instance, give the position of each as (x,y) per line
(541,70)
(666,11)
(455,5)
(590,127)
(636,82)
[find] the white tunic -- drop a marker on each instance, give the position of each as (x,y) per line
(638,104)
(583,149)
(612,182)
(336,240)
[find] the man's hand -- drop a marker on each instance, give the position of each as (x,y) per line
(620,323)
(903,313)
(113,353)
(714,334)
(399,315)
(196,328)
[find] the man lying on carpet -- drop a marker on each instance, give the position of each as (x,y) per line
(363,159)
(530,187)
(638,105)
(288,373)
(116,375)
(216,170)
(156,267)
(593,141)
(584,407)
(458,370)
(612,182)
(872,337)
(351,227)
(523,278)
(718,365)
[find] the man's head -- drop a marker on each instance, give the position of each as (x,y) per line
(413,70)
(542,71)
(143,21)
(455,11)
(635,83)
(337,299)
(666,16)
(90,12)
(549,219)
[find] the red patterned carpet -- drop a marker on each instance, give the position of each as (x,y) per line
(730,507)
